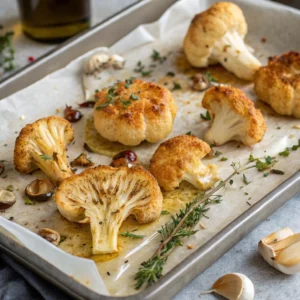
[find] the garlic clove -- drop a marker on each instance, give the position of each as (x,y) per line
(235,286)
(97,62)
(117,61)
(281,250)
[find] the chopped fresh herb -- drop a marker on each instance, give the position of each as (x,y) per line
(46,157)
(156,56)
(164,212)
(128,82)
(110,97)
(97,91)
(139,67)
(131,235)
(217,153)
(28,201)
(251,158)
(279,172)
(171,74)
(263,165)
(188,133)
(176,86)
(266,174)
(249,203)
(134,97)
(246,193)
(230,181)
(285,153)
(278,127)
(223,159)
(210,78)
(206,116)
(10,188)
(245,179)
(295,147)
(146,73)
(125,103)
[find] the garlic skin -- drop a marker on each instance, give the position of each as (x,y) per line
(234,286)
(281,250)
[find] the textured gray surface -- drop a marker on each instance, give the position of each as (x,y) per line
(243,257)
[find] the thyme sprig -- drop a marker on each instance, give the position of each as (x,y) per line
(181,225)
(7,52)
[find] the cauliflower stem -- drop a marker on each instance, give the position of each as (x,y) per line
(235,56)
(227,126)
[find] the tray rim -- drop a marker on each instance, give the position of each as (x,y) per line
(254,215)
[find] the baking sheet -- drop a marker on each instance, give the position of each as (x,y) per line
(64,87)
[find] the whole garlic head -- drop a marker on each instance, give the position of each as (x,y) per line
(281,250)
(234,286)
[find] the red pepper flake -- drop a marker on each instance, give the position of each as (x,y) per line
(31,58)
(86,104)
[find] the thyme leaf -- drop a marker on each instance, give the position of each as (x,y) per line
(206,116)
(131,235)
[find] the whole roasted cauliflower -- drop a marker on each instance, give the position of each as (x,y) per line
(104,197)
(42,145)
(278,84)
(217,36)
(235,117)
(133,111)
(179,159)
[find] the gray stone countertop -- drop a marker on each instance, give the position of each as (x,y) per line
(243,257)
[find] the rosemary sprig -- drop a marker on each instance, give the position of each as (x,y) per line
(181,225)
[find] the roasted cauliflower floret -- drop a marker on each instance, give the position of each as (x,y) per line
(278,84)
(235,117)
(104,197)
(133,111)
(217,35)
(178,159)
(42,145)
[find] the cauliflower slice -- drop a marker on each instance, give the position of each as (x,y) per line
(278,84)
(133,111)
(178,159)
(42,145)
(235,117)
(104,197)
(217,35)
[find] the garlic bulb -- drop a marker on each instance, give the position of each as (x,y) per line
(234,286)
(281,250)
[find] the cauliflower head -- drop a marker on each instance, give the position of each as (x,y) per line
(42,145)
(217,36)
(178,159)
(235,117)
(278,84)
(133,111)
(104,197)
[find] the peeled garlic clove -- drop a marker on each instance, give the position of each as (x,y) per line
(97,62)
(281,250)
(117,61)
(234,286)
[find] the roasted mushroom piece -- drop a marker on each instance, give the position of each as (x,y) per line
(7,199)
(200,82)
(126,158)
(40,190)
(50,235)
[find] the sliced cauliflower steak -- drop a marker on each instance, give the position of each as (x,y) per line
(217,36)
(235,117)
(179,159)
(42,145)
(104,197)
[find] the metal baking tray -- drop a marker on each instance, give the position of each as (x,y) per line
(108,32)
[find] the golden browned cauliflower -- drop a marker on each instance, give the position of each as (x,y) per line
(42,145)
(178,159)
(104,197)
(133,111)
(235,117)
(217,36)
(278,84)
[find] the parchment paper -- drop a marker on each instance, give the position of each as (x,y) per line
(50,95)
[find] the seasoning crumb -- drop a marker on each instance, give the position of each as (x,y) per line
(202,226)
(263,40)
(126,261)
(249,203)
(58,110)
(291,136)
(108,273)
(11,218)
(22,117)
(296,126)
(190,246)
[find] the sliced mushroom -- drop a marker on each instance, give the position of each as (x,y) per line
(40,190)
(200,82)
(7,199)
(50,235)
(82,161)
(126,158)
